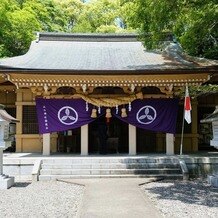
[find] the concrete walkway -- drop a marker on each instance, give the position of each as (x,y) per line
(113,198)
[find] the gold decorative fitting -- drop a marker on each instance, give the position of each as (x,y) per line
(94,113)
(123,112)
(108,113)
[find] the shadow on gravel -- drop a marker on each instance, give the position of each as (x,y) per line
(190,192)
(21,184)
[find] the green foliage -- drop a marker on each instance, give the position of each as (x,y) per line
(129,14)
(20,32)
(193,22)
(102,12)
(200,33)
(107,29)
(21,19)
(5,6)
(196,91)
(56,20)
(18,24)
(72,10)
(101,16)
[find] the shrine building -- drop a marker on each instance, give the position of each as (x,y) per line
(81,93)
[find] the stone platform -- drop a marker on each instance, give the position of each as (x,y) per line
(21,165)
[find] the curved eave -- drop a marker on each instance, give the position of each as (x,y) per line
(210,120)
(209,70)
(7,117)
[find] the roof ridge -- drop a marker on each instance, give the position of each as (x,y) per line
(59,36)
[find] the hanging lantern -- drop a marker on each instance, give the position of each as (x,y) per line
(108,113)
(123,112)
(94,113)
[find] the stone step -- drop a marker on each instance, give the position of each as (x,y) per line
(55,177)
(107,160)
(108,171)
(110,166)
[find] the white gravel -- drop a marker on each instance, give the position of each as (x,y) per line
(183,199)
(41,199)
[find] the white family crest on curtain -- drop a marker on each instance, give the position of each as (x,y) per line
(67,115)
(146,115)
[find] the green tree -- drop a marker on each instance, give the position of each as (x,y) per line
(72,10)
(108,29)
(193,22)
(20,31)
(56,19)
(103,16)
(5,6)
(97,13)
(128,13)
(21,19)
(197,28)
(17,29)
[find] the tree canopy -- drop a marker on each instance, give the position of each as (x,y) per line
(194,24)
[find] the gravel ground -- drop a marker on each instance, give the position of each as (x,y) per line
(41,199)
(183,199)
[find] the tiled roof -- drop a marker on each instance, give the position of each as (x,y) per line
(4,116)
(212,117)
(92,52)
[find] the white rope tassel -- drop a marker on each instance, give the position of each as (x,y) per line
(87,106)
(130,106)
(99,109)
(116,109)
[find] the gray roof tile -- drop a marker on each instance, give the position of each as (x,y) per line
(93,53)
(212,117)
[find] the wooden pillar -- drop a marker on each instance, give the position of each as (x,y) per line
(19,116)
(46,143)
(169,144)
(84,139)
(132,140)
(194,124)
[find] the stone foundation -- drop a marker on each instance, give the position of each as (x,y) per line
(6,182)
(213,180)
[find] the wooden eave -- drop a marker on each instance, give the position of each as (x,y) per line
(2,78)
(95,80)
(179,70)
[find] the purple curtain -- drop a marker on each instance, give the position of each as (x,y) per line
(63,114)
(158,115)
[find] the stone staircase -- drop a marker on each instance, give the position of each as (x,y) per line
(110,167)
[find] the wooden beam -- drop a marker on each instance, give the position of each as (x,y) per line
(177,80)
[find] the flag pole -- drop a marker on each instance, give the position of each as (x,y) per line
(186,114)
(182,134)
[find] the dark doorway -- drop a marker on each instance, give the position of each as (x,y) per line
(146,141)
(108,137)
(69,141)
